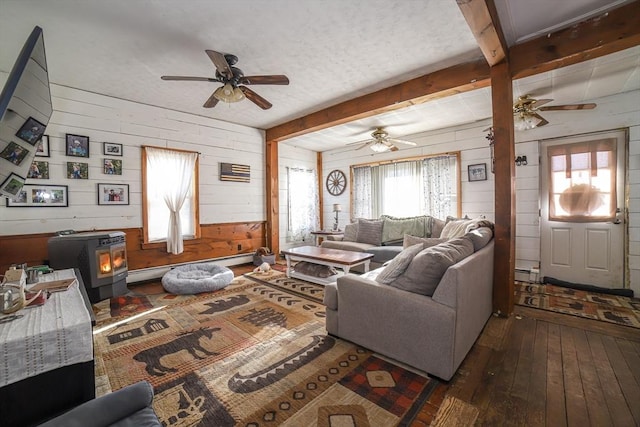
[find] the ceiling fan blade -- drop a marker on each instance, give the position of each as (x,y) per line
(401,141)
(543,121)
(276,79)
(535,103)
(366,144)
(255,98)
(569,107)
(192,79)
(211,102)
(393,148)
(220,62)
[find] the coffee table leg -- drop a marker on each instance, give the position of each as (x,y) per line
(288,265)
(366,266)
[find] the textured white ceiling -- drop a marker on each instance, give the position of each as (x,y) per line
(331,50)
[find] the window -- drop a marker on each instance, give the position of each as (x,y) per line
(302,204)
(582,180)
(170,196)
(407,188)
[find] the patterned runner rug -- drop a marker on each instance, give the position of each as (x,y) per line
(607,308)
(252,354)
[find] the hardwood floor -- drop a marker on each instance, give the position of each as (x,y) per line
(538,368)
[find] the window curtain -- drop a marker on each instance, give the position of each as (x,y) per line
(439,177)
(362,191)
(174,187)
(302,204)
(582,179)
(399,187)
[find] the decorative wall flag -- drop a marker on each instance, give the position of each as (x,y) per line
(233,172)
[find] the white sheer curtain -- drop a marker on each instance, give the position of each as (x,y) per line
(400,189)
(302,204)
(440,186)
(172,174)
(362,200)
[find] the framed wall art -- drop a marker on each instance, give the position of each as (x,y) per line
(113,194)
(77,145)
(31,131)
(41,196)
(14,153)
(77,170)
(38,170)
(477,172)
(113,166)
(111,149)
(12,185)
(42,149)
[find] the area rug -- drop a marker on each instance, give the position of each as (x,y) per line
(607,308)
(252,354)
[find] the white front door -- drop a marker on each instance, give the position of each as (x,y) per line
(582,227)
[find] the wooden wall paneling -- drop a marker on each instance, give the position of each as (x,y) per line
(217,241)
(505,222)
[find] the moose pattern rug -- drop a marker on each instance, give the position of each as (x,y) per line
(251,354)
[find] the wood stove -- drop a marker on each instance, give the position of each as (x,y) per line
(101,258)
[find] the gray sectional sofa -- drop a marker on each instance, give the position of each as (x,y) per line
(425,308)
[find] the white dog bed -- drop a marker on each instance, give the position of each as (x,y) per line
(196,278)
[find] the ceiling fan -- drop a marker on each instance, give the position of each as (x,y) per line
(381,142)
(232,79)
(526,108)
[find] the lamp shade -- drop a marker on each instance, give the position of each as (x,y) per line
(228,93)
(379,147)
(337,207)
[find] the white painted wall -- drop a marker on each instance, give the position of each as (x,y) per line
(293,157)
(105,119)
(614,112)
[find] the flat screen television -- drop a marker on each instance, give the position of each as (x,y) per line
(25,110)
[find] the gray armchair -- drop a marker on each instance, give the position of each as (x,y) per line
(130,406)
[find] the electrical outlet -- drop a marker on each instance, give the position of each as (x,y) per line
(239,247)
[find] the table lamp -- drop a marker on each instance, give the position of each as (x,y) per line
(336,208)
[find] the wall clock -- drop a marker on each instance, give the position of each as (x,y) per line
(336,182)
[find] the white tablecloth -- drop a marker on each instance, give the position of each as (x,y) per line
(47,337)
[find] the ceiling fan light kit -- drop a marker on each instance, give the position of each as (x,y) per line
(379,147)
(526,108)
(525,121)
(228,93)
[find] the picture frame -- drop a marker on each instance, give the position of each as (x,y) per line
(112,149)
(42,148)
(14,153)
(41,196)
(113,194)
(77,145)
(39,170)
(112,166)
(477,172)
(12,185)
(77,170)
(31,131)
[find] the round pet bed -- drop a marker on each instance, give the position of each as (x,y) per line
(196,278)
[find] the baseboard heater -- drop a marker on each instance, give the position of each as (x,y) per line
(152,273)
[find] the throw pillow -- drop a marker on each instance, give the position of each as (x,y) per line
(351,232)
(436,227)
(369,231)
(398,265)
(480,237)
(426,242)
(427,268)
(456,228)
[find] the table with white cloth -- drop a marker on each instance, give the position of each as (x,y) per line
(46,355)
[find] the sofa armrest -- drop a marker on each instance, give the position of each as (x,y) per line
(335,237)
(133,400)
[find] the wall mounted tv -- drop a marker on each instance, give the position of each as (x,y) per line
(25,110)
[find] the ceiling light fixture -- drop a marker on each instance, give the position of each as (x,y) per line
(379,147)
(524,121)
(228,93)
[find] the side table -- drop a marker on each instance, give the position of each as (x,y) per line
(322,234)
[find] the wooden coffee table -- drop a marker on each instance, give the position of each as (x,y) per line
(336,258)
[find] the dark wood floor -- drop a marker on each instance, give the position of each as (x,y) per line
(538,368)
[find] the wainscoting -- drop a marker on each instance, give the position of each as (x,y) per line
(217,241)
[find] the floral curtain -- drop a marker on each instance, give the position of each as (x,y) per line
(440,179)
(302,204)
(362,192)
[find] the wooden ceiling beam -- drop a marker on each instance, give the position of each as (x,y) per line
(482,18)
(439,84)
(610,32)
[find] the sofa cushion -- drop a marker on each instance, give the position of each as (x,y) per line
(436,227)
(370,231)
(383,254)
(480,237)
(346,246)
(394,228)
(427,268)
(426,242)
(460,227)
(351,232)
(398,265)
